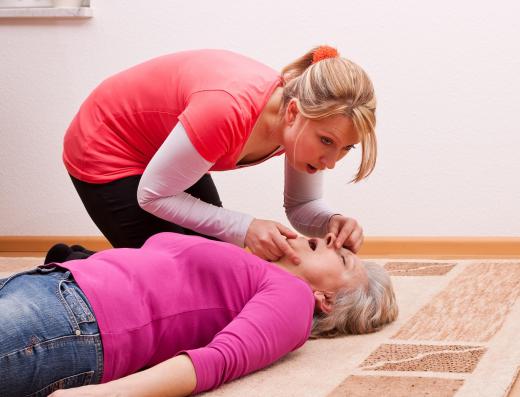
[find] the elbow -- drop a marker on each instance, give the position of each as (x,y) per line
(287,210)
(147,193)
(291,211)
(290,207)
(142,201)
(291,216)
(145,197)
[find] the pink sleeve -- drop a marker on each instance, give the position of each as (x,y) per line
(271,325)
(214,123)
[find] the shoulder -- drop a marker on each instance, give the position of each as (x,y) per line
(218,254)
(290,298)
(296,292)
(230,59)
(172,242)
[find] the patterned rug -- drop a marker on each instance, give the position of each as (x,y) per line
(458,334)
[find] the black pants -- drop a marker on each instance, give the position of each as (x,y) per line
(114,209)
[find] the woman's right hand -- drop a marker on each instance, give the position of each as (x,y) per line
(268,240)
(86,391)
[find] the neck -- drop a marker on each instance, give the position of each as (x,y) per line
(290,268)
(272,119)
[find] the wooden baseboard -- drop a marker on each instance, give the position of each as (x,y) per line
(43,243)
(413,247)
(439,247)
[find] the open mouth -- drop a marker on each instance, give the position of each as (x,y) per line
(313,243)
(311,169)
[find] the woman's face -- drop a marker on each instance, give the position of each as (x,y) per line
(313,145)
(326,268)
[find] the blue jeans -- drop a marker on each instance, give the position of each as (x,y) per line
(49,338)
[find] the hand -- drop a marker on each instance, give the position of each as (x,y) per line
(173,377)
(348,232)
(268,240)
(86,391)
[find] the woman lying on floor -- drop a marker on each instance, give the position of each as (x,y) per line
(180,315)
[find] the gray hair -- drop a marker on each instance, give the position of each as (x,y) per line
(360,311)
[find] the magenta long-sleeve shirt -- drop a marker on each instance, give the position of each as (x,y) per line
(230,311)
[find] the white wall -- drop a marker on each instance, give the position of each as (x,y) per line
(447,76)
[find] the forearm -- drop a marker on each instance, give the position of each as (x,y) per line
(172,378)
(192,213)
(311,218)
(174,168)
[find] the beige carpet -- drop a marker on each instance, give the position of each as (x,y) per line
(458,334)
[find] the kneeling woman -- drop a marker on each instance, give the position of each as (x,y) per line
(178,316)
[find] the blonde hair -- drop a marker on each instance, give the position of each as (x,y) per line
(361,311)
(330,87)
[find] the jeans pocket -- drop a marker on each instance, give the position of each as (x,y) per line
(77,380)
(76,302)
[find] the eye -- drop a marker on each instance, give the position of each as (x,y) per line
(313,243)
(349,147)
(326,141)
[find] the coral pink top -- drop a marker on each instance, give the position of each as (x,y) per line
(230,311)
(216,94)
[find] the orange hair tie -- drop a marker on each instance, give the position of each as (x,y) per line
(324,52)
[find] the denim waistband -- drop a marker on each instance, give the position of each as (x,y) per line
(49,333)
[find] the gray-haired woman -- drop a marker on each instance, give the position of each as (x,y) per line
(180,315)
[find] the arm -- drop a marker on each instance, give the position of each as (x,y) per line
(174,168)
(304,206)
(273,323)
(309,214)
(172,378)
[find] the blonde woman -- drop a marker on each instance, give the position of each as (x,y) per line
(140,149)
(180,315)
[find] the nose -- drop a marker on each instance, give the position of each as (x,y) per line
(329,239)
(328,161)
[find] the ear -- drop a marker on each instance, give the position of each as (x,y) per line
(322,302)
(291,112)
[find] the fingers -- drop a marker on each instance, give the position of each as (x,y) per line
(349,233)
(283,245)
(334,225)
(265,251)
(275,249)
(355,240)
(267,239)
(285,231)
(286,249)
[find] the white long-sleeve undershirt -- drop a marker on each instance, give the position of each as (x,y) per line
(177,165)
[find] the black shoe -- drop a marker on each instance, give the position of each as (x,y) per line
(80,248)
(58,253)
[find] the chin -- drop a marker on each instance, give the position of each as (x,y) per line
(300,167)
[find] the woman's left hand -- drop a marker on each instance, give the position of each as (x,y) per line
(348,232)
